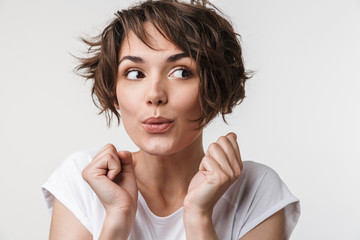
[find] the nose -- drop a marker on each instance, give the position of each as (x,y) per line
(156,92)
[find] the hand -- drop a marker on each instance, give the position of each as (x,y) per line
(112,178)
(219,168)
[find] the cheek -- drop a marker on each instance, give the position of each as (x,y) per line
(188,102)
(128,104)
(126,95)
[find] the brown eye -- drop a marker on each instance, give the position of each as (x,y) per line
(181,73)
(134,74)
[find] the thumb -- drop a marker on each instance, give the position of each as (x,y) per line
(127,178)
(126,161)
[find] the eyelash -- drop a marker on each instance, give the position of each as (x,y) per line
(190,73)
(126,74)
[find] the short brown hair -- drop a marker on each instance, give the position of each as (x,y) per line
(198,28)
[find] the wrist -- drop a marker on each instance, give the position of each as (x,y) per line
(117,226)
(199,225)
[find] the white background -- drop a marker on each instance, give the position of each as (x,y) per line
(301,115)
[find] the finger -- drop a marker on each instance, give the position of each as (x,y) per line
(106,150)
(213,171)
(209,164)
(105,165)
(126,160)
(127,175)
(228,148)
(233,139)
(113,166)
(229,145)
(219,155)
(107,162)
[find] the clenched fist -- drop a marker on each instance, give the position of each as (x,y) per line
(112,178)
(219,168)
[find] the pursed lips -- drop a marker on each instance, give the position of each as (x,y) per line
(157,124)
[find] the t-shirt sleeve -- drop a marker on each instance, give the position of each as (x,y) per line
(269,194)
(67,186)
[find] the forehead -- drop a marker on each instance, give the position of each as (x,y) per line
(132,44)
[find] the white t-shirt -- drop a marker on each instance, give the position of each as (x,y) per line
(255,196)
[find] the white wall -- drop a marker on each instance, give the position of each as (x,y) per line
(301,115)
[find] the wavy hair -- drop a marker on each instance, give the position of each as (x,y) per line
(198,28)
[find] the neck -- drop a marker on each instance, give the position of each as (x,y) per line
(166,178)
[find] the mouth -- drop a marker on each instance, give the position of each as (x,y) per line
(157,124)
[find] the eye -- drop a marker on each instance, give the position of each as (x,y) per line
(182,73)
(134,74)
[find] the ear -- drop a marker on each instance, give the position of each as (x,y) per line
(115,101)
(116,105)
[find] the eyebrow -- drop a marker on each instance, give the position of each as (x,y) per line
(172,58)
(175,57)
(132,58)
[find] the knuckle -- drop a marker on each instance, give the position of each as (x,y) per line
(222,178)
(116,168)
(109,147)
(237,172)
(205,159)
(226,180)
(107,156)
(217,175)
(232,174)
(213,146)
(232,135)
(223,139)
(85,174)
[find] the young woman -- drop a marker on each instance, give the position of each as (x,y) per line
(168,68)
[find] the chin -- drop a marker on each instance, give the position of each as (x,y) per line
(160,148)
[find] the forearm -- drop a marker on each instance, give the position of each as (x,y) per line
(199,227)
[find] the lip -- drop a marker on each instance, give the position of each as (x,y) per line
(157,124)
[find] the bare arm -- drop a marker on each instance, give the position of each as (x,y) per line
(64,225)
(114,183)
(270,229)
(218,169)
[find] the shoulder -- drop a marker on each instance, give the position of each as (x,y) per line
(80,159)
(258,185)
(68,187)
(253,169)
(258,194)
(68,176)
(253,176)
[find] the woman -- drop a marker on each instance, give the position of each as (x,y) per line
(168,68)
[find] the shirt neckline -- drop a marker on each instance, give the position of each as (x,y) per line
(173,215)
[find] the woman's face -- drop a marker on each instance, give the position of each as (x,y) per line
(157,91)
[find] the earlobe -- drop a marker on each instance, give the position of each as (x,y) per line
(116,103)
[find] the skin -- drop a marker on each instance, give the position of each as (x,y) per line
(176,170)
